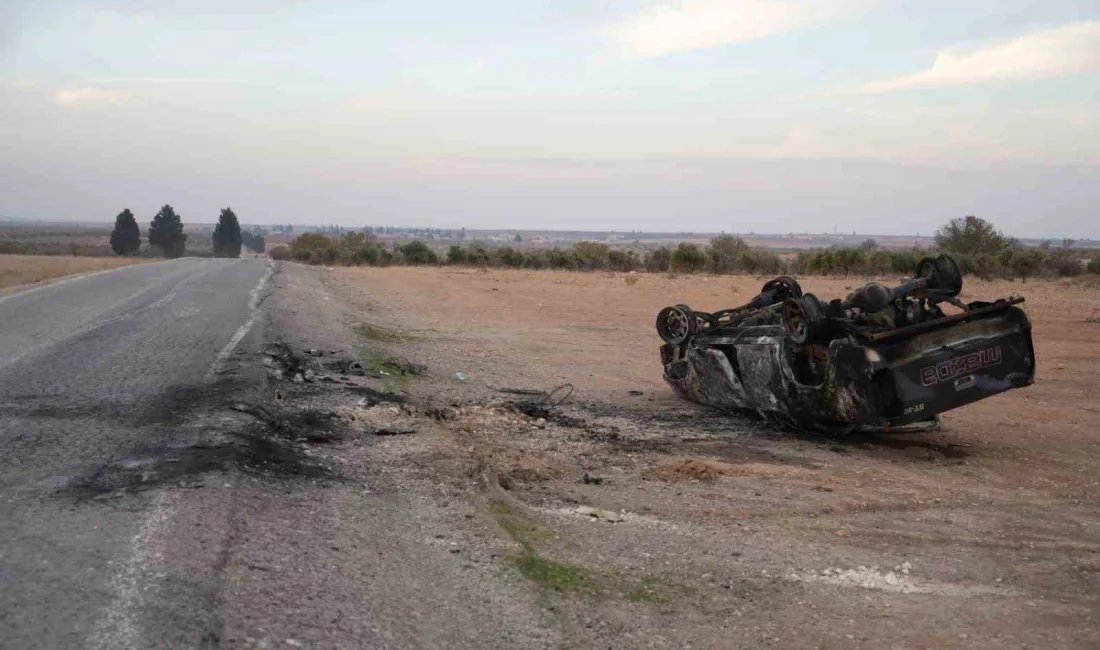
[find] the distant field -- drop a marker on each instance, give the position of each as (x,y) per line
(28,269)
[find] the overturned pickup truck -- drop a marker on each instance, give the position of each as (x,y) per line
(884,358)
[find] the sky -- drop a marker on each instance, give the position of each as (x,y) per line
(766,116)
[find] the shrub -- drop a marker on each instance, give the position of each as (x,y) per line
(562,259)
(724,252)
(1063,260)
(849,260)
(478,255)
(456,255)
(281,253)
(659,260)
(418,253)
(687,258)
(510,257)
(592,256)
(314,249)
(624,261)
(537,260)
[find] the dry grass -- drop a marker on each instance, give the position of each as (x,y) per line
(17,270)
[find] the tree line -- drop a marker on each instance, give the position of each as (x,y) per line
(979,248)
(166,236)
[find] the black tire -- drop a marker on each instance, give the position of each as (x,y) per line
(803,319)
(942,273)
(677,324)
(788,285)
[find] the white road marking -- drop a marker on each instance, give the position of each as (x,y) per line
(164,300)
(119,627)
(49,284)
(242,331)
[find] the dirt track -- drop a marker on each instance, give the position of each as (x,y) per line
(984,534)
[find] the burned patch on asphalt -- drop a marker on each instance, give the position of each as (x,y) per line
(251,452)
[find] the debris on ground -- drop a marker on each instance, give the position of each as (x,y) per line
(692,469)
(391,431)
(592,480)
(405,367)
(597,513)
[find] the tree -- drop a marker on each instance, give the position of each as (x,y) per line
(970,236)
(254,241)
(227,235)
(869,245)
(166,233)
(518,238)
(126,237)
(723,253)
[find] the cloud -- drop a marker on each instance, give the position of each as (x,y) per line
(86,96)
(156,81)
(696,24)
(1067,50)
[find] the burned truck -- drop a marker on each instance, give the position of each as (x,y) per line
(882,359)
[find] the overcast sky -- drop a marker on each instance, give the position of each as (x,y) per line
(876,116)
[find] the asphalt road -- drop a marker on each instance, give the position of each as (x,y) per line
(98,375)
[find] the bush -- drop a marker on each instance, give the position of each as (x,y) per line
(456,255)
(723,253)
(1023,262)
(687,258)
(418,253)
(478,255)
(592,256)
(537,260)
(759,260)
(510,257)
(281,253)
(851,260)
(624,261)
(1062,260)
(1094,264)
(659,260)
(313,249)
(561,259)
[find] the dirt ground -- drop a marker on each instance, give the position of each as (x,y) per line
(16,270)
(644,521)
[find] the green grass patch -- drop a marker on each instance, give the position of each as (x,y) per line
(646,591)
(384,334)
(565,576)
(559,576)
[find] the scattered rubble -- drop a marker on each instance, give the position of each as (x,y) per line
(899,580)
(597,513)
